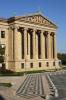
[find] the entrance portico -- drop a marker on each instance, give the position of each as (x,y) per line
(37,49)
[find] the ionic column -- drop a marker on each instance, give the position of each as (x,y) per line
(12,49)
(49,48)
(51,38)
(28,44)
(34,39)
(55,48)
(46,44)
(22,49)
(25,42)
(42,45)
(11,38)
(15,44)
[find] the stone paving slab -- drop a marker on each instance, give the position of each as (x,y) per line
(59,81)
(32,87)
(10,93)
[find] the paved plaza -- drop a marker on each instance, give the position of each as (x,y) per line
(59,80)
(35,87)
(32,87)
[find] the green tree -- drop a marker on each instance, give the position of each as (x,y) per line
(62,57)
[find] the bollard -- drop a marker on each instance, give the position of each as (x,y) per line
(56,93)
(47,97)
(54,88)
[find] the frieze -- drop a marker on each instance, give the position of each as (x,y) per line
(38,19)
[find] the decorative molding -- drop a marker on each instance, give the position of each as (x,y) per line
(37,19)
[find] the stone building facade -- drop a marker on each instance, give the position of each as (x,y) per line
(30,43)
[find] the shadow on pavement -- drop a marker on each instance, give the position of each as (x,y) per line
(1,97)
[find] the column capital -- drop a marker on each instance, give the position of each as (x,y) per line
(38,31)
(20,29)
(52,33)
(30,30)
(45,33)
(13,27)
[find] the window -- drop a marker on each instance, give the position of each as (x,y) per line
(2,34)
(22,65)
(39,64)
(53,63)
(31,65)
(47,64)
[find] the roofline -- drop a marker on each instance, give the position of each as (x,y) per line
(37,13)
(11,19)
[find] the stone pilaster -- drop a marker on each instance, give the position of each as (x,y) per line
(15,44)
(11,31)
(6,50)
(12,47)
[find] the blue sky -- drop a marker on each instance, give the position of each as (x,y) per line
(55,10)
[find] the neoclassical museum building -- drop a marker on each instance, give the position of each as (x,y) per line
(29,42)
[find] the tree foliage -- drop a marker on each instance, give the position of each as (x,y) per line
(62,57)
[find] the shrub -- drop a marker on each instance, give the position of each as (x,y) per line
(6,84)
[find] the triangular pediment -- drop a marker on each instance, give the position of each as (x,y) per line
(37,19)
